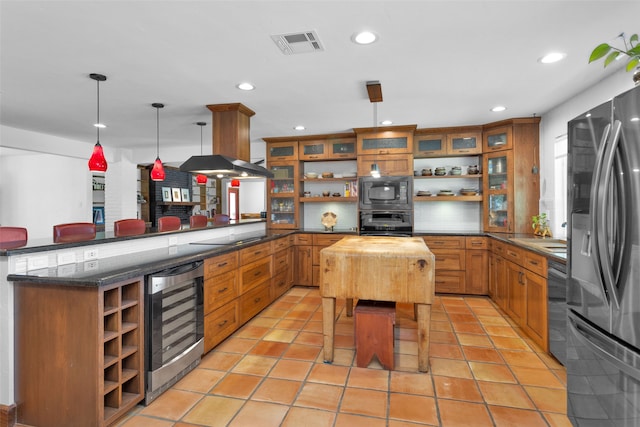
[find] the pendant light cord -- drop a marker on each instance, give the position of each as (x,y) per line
(98,109)
(157,132)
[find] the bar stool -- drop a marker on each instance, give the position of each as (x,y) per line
(168,223)
(74,232)
(12,237)
(198,221)
(373,322)
(129,227)
(221,219)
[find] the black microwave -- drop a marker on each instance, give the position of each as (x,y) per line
(387,192)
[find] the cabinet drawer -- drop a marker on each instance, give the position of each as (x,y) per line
(279,285)
(448,242)
(254,301)
(281,260)
(450,282)
(315,257)
(255,252)
(255,273)
(281,243)
(303,239)
(534,262)
(497,247)
(513,254)
(476,243)
(219,324)
(219,290)
(327,239)
(449,259)
(220,264)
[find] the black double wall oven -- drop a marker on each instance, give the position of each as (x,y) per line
(386,206)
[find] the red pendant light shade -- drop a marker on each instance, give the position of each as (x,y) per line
(235,183)
(201,178)
(157,173)
(97,162)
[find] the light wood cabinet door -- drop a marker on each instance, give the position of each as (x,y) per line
(313,150)
(498,139)
(389,140)
(389,165)
(464,143)
(278,151)
(536,319)
(304,265)
(501,286)
(476,272)
(430,145)
(517,292)
(341,148)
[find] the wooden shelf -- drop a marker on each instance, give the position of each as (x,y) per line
(328,199)
(477,176)
(277,195)
(351,178)
(447,198)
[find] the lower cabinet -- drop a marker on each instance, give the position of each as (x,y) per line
(80,353)
(303,268)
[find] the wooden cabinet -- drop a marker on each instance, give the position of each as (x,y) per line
(341,148)
(385,140)
(221,289)
(279,150)
(313,150)
(321,241)
(512,183)
(476,266)
(81,352)
(389,164)
(283,266)
(303,259)
(282,195)
(443,142)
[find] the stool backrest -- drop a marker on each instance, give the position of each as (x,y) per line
(74,232)
(220,219)
(168,223)
(12,237)
(129,227)
(198,221)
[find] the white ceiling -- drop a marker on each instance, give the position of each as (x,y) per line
(440,63)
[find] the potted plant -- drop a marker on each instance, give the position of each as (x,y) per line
(540,225)
(631,50)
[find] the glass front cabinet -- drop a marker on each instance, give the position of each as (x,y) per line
(282,191)
(498,192)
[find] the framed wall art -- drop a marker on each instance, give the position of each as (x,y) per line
(166,194)
(175,192)
(98,215)
(185,195)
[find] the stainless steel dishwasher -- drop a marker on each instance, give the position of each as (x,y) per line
(174,326)
(557,309)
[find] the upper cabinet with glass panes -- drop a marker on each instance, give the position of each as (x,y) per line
(444,142)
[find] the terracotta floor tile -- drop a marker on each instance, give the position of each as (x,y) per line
(350,420)
(328,374)
(172,404)
(406,362)
(254,365)
(522,358)
(406,334)
(214,411)
(492,320)
(411,383)
(308,418)
(313,327)
(281,335)
(482,354)
(510,343)
(412,408)
(536,377)
(443,337)
(439,316)
(341,357)
(269,348)
(462,318)
(507,417)
(266,322)
(142,421)
(454,413)
(369,378)
(237,345)
(457,389)
(550,361)
(219,360)
(291,369)
(468,328)
(492,372)
(309,338)
(260,414)
(298,315)
(319,396)
(302,352)
(408,347)
(502,394)
(561,374)
(364,402)
(557,420)
(236,385)
(344,341)
(474,340)
(441,326)
(201,381)
(295,325)
(249,331)
(501,331)
(548,399)
(446,351)
(277,391)
(450,368)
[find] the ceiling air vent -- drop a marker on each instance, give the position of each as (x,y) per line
(294,43)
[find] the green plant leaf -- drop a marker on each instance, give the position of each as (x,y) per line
(634,51)
(599,52)
(633,39)
(611,57)
(632,64)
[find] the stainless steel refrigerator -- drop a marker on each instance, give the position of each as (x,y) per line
(603,265)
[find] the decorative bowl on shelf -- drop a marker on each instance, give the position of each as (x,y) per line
(336,194)
(327,174)
(326,193)
(311,175)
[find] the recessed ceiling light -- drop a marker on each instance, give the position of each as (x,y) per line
(635,119)
(100,125)
(299,127)
(364,37)
(552,57)
(498,108)
(386,122)
(245,86)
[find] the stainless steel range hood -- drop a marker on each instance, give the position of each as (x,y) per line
(230,144)
(217,164)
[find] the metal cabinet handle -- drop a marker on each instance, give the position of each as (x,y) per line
(223,289)
(222,264)
(221,324)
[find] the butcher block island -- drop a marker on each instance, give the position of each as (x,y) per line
(379,268)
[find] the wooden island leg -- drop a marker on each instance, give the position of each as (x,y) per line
(424,320)
(328,326)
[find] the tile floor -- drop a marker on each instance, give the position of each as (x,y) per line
(483,372)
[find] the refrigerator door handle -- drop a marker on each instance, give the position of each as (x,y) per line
(605,347)
(604,193)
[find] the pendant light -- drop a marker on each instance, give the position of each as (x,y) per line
(97,162)
(200,178)
(157,173)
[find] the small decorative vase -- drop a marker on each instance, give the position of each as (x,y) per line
(636,76)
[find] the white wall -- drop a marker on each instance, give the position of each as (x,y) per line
(252,195)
